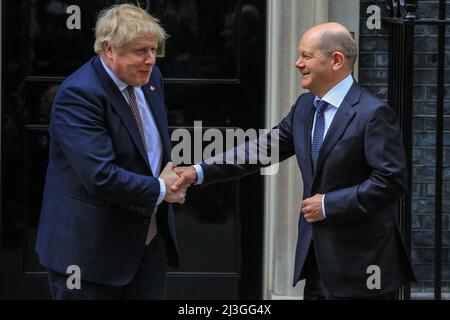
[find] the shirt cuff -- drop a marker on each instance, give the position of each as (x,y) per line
(323,206)
(162,191)
(198,168)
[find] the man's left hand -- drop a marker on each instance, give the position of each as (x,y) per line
(312,209)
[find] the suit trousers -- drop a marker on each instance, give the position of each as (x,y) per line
(149,283)
(315,289)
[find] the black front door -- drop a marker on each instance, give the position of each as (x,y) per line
(214,68)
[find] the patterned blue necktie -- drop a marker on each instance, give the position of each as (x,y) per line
(152,227)
(319,129)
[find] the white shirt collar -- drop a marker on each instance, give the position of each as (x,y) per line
(336,95)
(119,83)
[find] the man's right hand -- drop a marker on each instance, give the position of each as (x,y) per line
(170,177)
(188,176)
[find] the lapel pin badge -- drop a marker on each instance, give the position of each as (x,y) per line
(152,89)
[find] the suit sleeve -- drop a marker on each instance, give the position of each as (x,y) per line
(279,139)
(77,126)
(384,152)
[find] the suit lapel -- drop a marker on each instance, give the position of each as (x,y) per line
(121,106)
(340,122)
(157,109)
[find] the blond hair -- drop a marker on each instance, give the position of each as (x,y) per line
(121,24)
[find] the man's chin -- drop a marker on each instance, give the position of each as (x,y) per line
(144,81)
(305,85)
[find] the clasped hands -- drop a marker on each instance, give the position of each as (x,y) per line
(177,180)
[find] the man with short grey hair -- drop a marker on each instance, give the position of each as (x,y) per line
(107,206)
(349,149)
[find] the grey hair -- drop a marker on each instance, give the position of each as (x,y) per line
(121,24)
(336,40)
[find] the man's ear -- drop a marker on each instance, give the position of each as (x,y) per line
(107,49)
(338,60)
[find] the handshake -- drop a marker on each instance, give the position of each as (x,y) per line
(177,180)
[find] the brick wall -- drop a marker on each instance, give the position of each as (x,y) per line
(373,75)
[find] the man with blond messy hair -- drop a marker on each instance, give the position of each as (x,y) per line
(107,205)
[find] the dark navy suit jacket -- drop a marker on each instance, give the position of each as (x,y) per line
(99,191)
(362,170)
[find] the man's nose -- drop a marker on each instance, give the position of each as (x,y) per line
(299,63)
(150,58)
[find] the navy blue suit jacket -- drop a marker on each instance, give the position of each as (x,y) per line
(362,170)
(99,191)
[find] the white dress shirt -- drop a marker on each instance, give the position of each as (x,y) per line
(152,141)
(334,97)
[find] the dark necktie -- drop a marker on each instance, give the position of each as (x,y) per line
(152,229)
(319,129)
